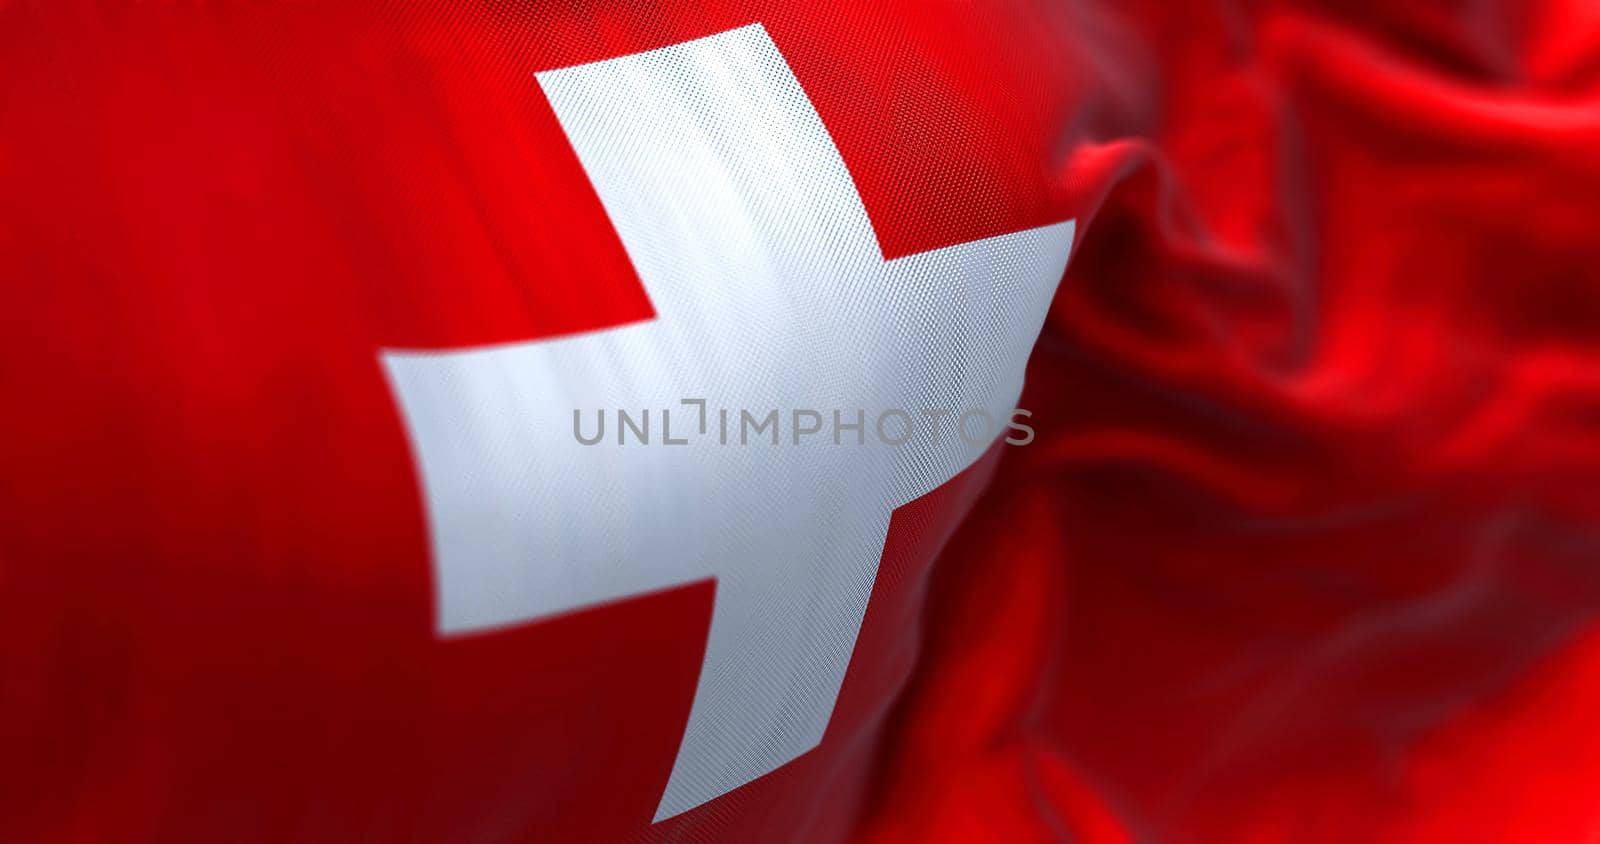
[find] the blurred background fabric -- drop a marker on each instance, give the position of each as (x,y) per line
(1307,547)
(1308,550)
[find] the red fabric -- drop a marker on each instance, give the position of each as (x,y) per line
(1304,550)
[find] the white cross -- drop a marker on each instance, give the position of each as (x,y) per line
(771,292)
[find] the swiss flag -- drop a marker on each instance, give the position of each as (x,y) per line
(307,309)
